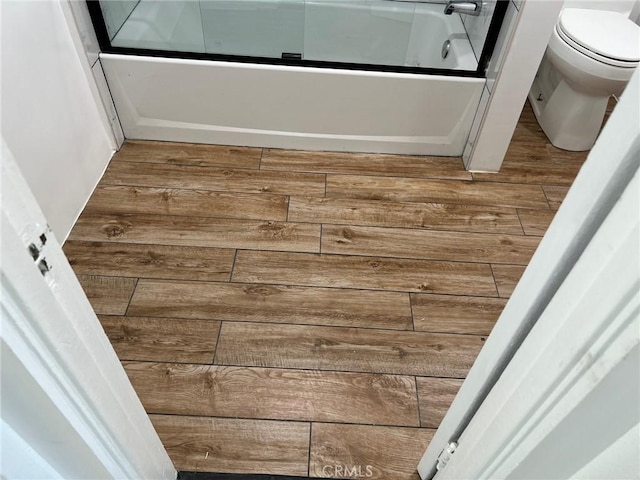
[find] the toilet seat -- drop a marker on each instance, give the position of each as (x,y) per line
(607,37)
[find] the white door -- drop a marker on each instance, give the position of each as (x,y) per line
(555,391)
(68,409)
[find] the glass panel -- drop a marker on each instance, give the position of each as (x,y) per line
(162,25)
(256,28)
(115,13)
(390,33)
(358,31)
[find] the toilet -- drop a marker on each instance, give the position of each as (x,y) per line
(591,56)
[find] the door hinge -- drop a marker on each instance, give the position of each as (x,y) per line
(445,456)
(35,249)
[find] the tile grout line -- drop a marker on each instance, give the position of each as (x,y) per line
(234,282)
(277,284)
(297,369)
(413,320)
(495,282)
(310,325)
(415,379)
(354,255)
(323,422)
(546,197)
(521,225)
(133,291)
(226,192)
(288,192)
(215,350)
(202,188)
(450,201)
(95,212)
(469,179)
(288,208)
(233,266)
(214,166)
(309,451)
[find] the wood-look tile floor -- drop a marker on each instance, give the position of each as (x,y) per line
(294,313)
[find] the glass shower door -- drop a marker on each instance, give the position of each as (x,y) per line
(254,28)
(373,32)
(173,25)
(387,35)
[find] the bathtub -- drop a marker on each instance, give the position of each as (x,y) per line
(309,108)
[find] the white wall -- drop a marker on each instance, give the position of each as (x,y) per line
(622,6)
(51,119)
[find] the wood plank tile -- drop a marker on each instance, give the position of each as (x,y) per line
(431,245)
(162,339)
(436,191)
(347,349)
(536,164)
(211,178)
(455,314)
(151,261)
(273,303)
(555,195)
(378,453)
(107,295)
(188,154)
(364,164)
(197,232)
(535,222)
(507,277)
(528,130)
(575,161)
(233,445)
(433,216)
(111,199)
(274,394)
(436,396)
(364,272)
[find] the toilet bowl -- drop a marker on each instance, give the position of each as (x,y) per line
(591,56)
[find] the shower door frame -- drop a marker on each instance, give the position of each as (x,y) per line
(480,72)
